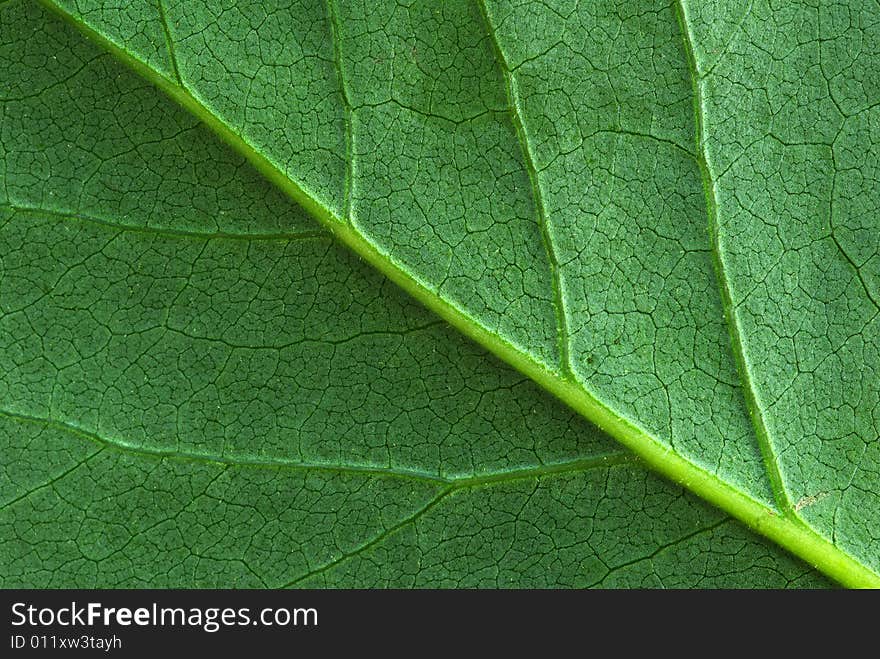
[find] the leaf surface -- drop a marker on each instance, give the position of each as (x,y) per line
(662,215)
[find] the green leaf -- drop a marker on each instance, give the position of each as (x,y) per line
(663,215)
(200,389)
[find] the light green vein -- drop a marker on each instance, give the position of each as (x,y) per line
(515,113)
(36,211)
(777,484)
(346,100)
(454,482)
(169,43)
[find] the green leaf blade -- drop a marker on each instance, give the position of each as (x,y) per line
(643,329)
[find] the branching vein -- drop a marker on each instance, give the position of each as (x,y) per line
(771,465)
(516,117)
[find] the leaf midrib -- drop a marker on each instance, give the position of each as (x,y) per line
(789,533)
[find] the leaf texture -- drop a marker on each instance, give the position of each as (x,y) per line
(663,214)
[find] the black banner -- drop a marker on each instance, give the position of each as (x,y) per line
(388,623)
(129,622)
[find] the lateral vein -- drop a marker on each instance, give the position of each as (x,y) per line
(318,234)
(515,112)
(777,484)
(346,100)
(602,461)
(169,43)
